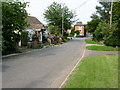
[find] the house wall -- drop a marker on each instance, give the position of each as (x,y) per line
(30,33)
(80,28)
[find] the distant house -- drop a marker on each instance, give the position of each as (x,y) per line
(35,27)
(80,27)
(69,31)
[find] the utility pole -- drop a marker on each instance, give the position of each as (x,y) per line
(111,14)
(62,20)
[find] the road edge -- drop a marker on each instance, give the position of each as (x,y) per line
(72,69)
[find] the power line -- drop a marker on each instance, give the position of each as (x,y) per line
(81,4)
(79,7)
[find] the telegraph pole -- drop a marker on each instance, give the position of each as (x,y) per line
(62,20)
(111,14)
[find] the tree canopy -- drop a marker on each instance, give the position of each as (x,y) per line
(99,26)
(53,15)
(13,19)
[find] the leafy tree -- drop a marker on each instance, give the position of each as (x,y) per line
(116,21)
(54,29)
(116,13)
(13,20)
(92,25)
(112,38)
(94,16)
(103,11)
(100,31)
(53,15)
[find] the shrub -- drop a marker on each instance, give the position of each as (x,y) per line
(109,36)
(65,33)
(98,35)
(56,39)
(24,38)
(65,39)
(72,32)
(79,36)
(77,32)
(113,38)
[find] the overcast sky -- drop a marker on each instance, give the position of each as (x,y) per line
(37,7)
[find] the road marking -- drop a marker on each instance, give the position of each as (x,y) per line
(72,70)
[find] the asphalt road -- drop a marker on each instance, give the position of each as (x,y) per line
(45,68)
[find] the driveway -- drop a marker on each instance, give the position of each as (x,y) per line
(45,68)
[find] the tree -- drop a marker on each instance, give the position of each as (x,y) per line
(103,11)
(92,25)
(116,13)
(53,15)
(13,20)
(54,29)
(94,16)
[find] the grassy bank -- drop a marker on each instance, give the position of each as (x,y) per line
(89,41)
(103,48)
(95,72)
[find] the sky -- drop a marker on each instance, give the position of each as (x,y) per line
(82,8)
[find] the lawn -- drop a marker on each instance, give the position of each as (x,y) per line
(95,72)
(102,48)
(89,41)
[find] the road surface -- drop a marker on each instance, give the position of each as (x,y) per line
(45,68)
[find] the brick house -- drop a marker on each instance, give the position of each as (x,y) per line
(80,27)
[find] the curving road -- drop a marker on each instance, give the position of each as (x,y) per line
(45,68)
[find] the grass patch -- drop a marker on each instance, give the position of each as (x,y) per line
(95,72)
(103,48)
(89,41)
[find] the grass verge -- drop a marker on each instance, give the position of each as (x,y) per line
(89,41)
(95,72)
(103,48)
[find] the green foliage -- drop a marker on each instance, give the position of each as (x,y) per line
(65,33)
(102,48)
(101,32)
(54,29)
(53,15)
(79,36)
(90,41)
(109,36)
(65,39)
(24,38)
(13,19)
(72,32)
(116,13)
(92,25)
(103,11)
(77,32)
(112,38)
(94,16)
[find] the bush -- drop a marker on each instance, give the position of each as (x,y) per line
(24,38)
(98,35)
(65,39)
(79,36)
(72,32)
(77,32)
(109,36)
(56,40)
(10,44)
(65,33)
(113,38)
